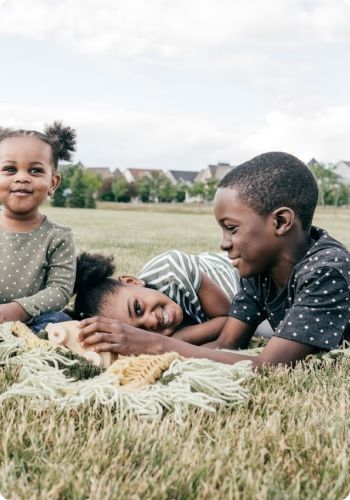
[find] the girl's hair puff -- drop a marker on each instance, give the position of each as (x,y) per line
(62,139)
(93,283)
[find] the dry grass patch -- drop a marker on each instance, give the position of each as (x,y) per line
(289,440)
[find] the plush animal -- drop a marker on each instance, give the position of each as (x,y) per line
(66,334)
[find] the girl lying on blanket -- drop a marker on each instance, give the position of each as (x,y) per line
(186,296)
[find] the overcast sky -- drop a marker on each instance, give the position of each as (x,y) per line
(178,84)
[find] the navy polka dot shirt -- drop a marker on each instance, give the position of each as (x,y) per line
(314,307)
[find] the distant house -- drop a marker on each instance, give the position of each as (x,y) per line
(214,172)
(132,174)
(103,172)
(342,169)
(186,177)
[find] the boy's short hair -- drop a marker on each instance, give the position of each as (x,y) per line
(273,180)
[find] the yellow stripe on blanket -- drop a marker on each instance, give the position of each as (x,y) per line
(141,370)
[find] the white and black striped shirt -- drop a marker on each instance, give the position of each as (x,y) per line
(178,275)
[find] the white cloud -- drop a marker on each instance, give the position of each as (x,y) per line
(128,138)
(306,129)
(124,138)
(181,29)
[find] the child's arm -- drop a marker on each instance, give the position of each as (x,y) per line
(108,335)
(13,312)
(235,334)
(204,332)
(59,279)
(214,301)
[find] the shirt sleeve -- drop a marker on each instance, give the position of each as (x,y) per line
(320,311)
(177,275)
(59,279)
(246,307)
(171,271)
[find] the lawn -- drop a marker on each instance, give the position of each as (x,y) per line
(289,440)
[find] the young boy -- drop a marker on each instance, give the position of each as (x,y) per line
(293,274)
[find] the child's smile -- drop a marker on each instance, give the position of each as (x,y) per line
(26,175)
(144,308)
(248,238)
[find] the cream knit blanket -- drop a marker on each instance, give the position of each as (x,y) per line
(144,385)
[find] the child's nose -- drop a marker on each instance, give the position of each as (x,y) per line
(226,243)
(22,177)
(152,322)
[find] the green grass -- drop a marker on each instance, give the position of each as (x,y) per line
(288,441)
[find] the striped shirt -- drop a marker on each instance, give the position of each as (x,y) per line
(178,275)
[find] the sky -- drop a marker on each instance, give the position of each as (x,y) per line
(180,84)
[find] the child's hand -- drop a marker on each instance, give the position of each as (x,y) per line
(13,312)
(106,334)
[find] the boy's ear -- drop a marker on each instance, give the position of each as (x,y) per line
(55,181)
(284,219)
(131,280)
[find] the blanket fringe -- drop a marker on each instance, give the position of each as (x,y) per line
(147,386)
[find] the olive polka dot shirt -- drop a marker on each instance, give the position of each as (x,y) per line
(314,307)
(38,268)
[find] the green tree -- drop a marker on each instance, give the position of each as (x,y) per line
(155,187)
(76,198)
(331,190)
(121,189)
(180,193)
(105,192)
(167,192)
(143,188)
(197,189)
(60,197)
(83,187)
(210,188)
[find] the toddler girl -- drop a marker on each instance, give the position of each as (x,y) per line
(36,255)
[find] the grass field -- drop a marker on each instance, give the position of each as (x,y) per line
(290,440)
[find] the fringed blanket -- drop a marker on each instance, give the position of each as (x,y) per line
(144,385)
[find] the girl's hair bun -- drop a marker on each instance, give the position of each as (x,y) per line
(92,270)
(62,139)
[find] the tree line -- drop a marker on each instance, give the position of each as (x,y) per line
(81,188)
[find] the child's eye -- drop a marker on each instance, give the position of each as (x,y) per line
(36,170)
(231,229)
(9,169)
(137,308)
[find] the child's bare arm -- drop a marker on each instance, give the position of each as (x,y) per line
(235,334)
(214,301)
(202,333)
(13,312)
(283,351)
(104,334)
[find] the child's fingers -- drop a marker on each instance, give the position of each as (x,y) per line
(98,337)
(95,319)
(97,326)
(106,347)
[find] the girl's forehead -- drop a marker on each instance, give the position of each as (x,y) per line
(27,145)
